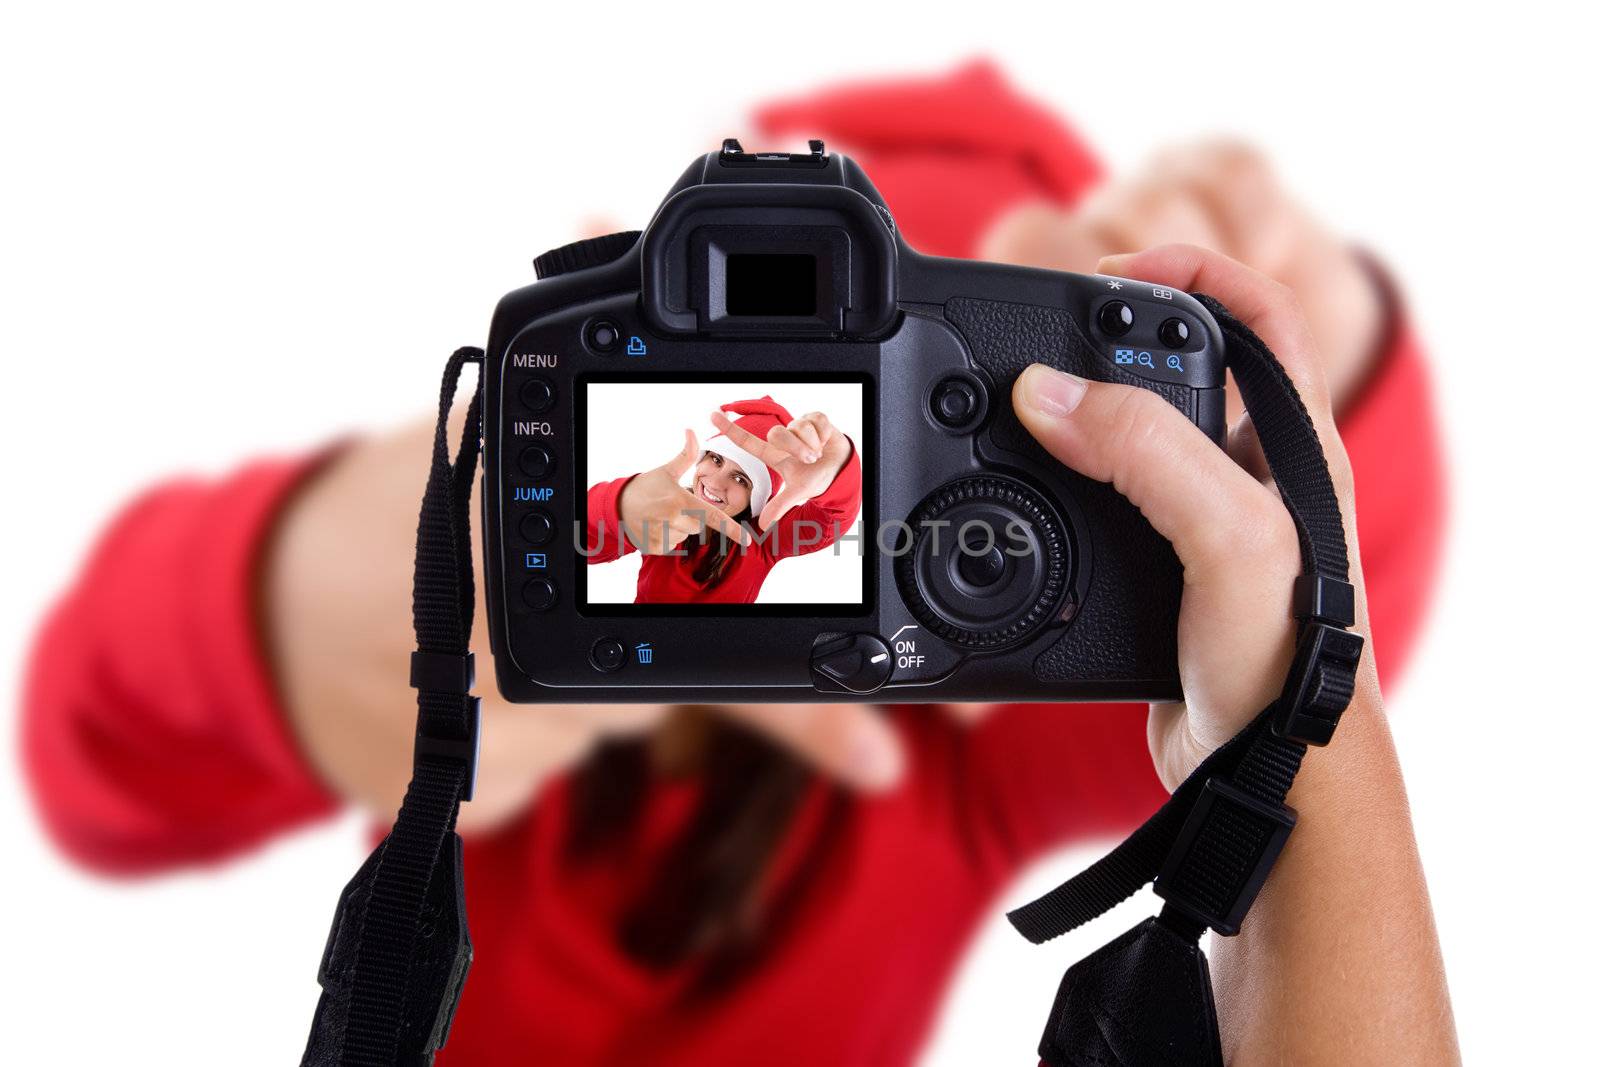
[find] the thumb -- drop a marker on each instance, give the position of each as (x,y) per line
(787,499)
(679,465)
(1187,487)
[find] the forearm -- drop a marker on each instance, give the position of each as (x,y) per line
(1338,961)
(336,605)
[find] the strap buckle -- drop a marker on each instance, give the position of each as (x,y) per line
(1321,682)
(452,675)
(1223,855)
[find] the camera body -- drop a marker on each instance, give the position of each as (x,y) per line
(787,271)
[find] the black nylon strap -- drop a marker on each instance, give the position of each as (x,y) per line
(1210,870)
(375,1012)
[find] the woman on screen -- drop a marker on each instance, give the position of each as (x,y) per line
(796,480)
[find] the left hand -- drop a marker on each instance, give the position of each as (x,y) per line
(808,453)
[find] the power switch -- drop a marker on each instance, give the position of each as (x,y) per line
(854,663)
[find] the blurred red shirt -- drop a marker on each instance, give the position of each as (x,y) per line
(153,737)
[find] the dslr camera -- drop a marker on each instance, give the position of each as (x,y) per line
(770,356)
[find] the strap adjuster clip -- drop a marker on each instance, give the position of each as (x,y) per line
(443,672)
(1223,855)
(461,749)
(1321,682)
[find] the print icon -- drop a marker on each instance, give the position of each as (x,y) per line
(636,346)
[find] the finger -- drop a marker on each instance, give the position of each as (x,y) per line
(1189,490)
(852,742)
(1241,194)
(1244,448)
(1042,235)
(1139,214)
(786,501)
(1267,307)
(743,438)
(701,516)
(679,465)
(808,435)
(791,444)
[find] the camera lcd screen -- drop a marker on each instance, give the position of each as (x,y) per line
(759,510)
(771,284)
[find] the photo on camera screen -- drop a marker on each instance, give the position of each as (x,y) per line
(786,468)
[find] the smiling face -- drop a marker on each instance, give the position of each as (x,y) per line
(722,483)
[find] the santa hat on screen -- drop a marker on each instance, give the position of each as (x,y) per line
(755,417)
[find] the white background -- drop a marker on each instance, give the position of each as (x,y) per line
(636,426)
(228,229)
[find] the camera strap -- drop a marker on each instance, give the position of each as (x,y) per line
(398,953)
(1145,998)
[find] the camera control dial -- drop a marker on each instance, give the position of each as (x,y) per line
(987,562)
(581,255)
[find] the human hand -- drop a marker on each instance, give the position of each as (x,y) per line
(808,454)
(1236,541)
(658,513)
(1222,196)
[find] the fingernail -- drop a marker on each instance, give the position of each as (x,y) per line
(1113,264)
(1051,392)
(875,760)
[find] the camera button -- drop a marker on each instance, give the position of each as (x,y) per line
(539,594)
(538,395)
(603,336)
(854,663)
(1174,333)
(1115,317)
(607,655)
(536,461)
(537,527)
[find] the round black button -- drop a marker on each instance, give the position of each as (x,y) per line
(536,461)
(608,655)
(603,336)
(1116,318)
(957,403)
(537,527)
(954,401)
(1173,333)
(982,569)
(538,395)
(539,594)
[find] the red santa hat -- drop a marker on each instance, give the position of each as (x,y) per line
(755,417)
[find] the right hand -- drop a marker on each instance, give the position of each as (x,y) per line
(658,514)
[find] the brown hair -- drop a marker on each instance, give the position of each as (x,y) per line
(708,903)
(712,567)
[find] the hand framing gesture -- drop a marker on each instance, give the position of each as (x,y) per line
(658,513)
(808,454)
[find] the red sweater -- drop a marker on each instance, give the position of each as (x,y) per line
(669,579)
(153,737)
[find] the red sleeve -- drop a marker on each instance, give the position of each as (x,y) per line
(603,523)
(822,520)
(151,734)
